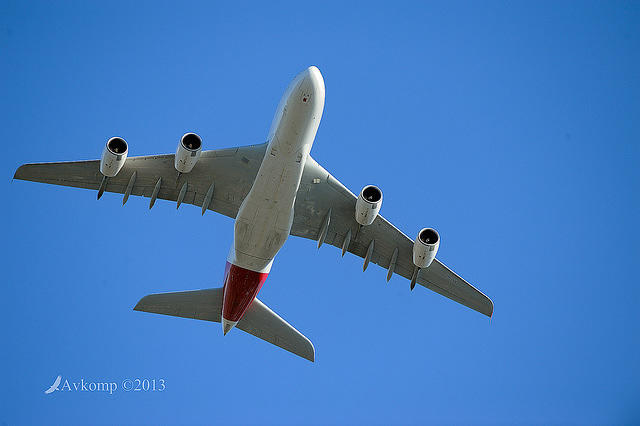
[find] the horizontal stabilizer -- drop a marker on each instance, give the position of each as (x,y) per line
(206,305)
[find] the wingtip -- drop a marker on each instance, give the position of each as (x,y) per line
(490,313)
(16,174)
(140,305)
(311,356)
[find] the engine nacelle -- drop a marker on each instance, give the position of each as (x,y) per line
(425,247)
(368,204)
(188,152)
(113,156)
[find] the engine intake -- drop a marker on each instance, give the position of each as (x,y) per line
(368,204)
(113,156)
(188,152)
(425,247)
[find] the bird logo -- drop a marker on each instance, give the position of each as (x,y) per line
(54,386)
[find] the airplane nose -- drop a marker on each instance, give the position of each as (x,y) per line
(312,70)
(227,325)
(315,77)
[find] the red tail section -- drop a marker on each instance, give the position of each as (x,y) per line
(241,286)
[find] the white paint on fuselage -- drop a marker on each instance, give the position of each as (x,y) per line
(264,219)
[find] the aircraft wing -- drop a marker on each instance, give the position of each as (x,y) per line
(319,192)
(231,171)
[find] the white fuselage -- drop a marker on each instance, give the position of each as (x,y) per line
(264,219)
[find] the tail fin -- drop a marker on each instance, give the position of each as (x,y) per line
(206,305)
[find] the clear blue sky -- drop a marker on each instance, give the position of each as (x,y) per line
(512,128)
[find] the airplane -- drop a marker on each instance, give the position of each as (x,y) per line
(272,190)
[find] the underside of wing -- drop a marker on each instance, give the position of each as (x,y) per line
(326,209)
(226,174)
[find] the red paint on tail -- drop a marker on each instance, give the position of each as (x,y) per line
(241,286)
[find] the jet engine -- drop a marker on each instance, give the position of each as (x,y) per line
(188,152)
(368,204)
(113,156)
(425,247)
